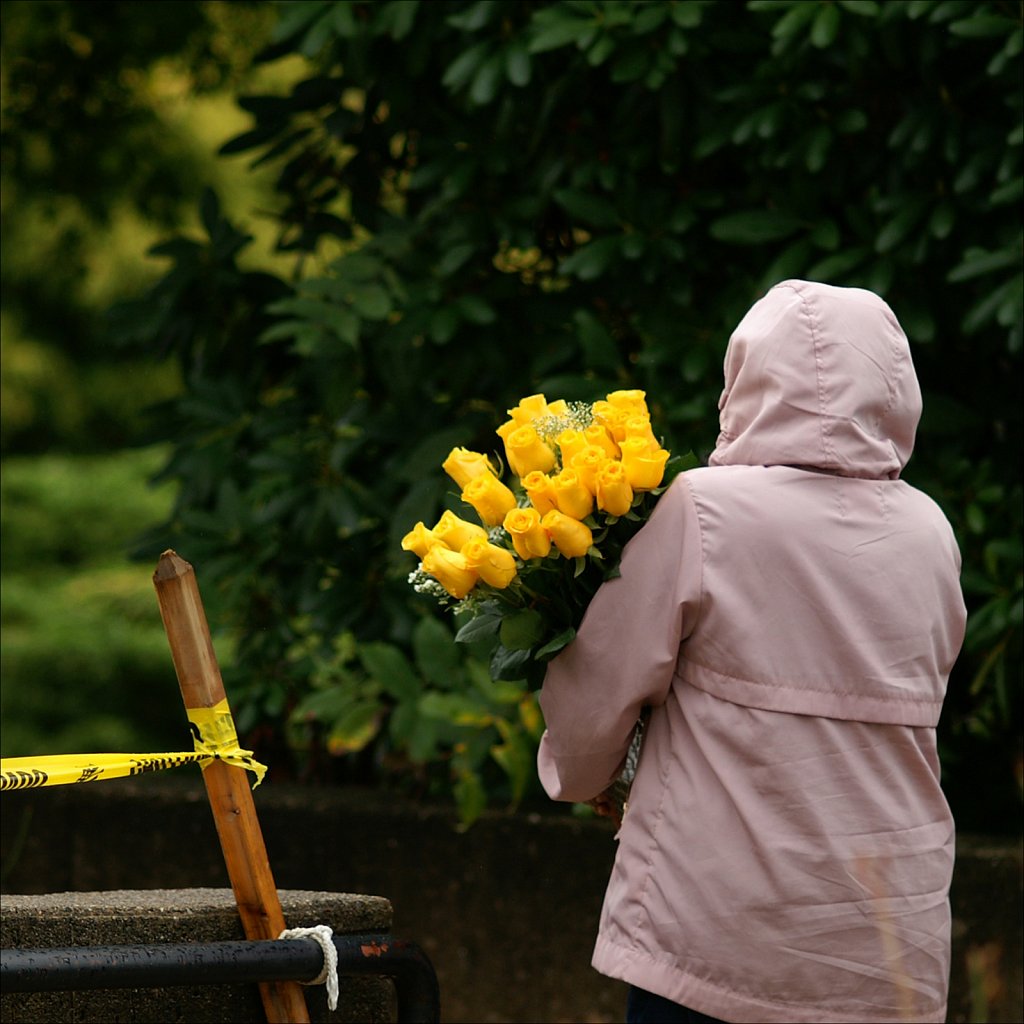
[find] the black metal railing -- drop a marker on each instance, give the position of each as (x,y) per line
(165,965)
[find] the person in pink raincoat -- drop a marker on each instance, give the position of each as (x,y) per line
(790,615)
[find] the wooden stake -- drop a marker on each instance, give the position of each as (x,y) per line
(228,787)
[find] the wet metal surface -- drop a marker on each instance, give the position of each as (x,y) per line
(79,968)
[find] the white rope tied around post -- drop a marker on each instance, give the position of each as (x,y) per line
(328,976)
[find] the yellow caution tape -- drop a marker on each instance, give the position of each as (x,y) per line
(213,736)
(61,769)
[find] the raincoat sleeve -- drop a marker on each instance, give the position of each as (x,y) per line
(624,655)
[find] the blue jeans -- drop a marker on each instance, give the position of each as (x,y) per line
(644,1007)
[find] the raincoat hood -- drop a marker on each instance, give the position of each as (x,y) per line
(819,377)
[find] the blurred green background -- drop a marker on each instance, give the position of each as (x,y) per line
(371,228)
(111,117)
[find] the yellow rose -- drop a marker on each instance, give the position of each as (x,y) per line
(529,537)
(640,426)
(540,491)
(572,496)
(587,463)
(449,568)
(462,465)
(456,532)
(612,418)
(529,409)
(598,434)
(490,497)
(632,402)
(570,536)
(419,540)
(614,493)
(526,452)
(560,407)
(506,428)
(494,565)
(644,466)
(569,443)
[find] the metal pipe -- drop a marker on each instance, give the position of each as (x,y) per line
(165,965)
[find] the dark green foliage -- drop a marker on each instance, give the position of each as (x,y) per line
(491,199)
(75,120)
(85,661)
(94,161)
(67,512)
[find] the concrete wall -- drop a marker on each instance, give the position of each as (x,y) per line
(507,911)
(144,917)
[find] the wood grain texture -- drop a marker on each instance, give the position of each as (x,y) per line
(227,787)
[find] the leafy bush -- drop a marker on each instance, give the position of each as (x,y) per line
(85,659)
(105,112)
(48,403)
(86,667)
(64,511)
(489,199)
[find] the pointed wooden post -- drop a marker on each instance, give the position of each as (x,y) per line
(228,787)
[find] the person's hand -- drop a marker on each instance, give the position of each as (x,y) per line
(605,806)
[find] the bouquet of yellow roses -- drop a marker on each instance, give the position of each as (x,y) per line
(585,478)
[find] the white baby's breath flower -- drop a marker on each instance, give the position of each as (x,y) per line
(579,416)
(423,583)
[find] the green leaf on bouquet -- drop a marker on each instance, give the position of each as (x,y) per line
(555,644)
(506,664)
(480,627)
(521,630)
(681,463)
(581,564)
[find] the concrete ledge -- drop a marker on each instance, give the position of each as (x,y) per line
(180,915)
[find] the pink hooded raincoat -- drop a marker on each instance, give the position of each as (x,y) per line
(791,614)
